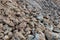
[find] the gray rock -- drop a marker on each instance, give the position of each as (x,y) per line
(51,35)
(49,27)
(1,35)
(59,37)
(31,37)
(57,30)
(6,27)
(36,37)
(34,3)
(40,17)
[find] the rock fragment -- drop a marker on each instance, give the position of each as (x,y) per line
(6,37)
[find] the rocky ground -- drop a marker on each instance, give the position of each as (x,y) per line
(29,19)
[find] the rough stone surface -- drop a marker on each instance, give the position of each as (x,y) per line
(29,19)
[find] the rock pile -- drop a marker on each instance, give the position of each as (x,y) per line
(29,19)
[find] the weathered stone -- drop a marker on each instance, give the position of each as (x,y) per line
(40,17)
(6,37)
(29,19)
(10,34)
(51,35)
(56,30)
(1,35)
(20,35)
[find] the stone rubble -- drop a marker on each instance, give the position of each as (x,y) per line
(29,19)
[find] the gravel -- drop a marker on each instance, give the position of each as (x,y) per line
(29,19)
